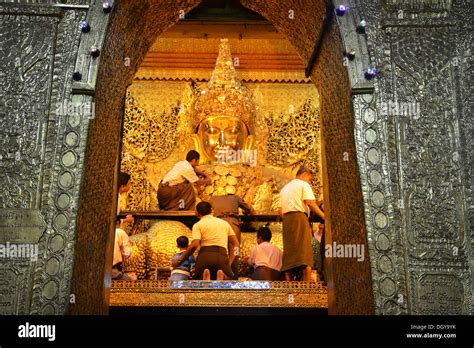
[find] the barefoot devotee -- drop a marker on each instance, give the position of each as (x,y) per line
(265,258)
(226,207)
(176,190)
(122,251)
(212,236)
(297,200)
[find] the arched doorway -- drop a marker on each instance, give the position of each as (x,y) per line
(132,29)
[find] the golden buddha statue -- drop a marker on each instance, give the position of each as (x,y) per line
(223,114)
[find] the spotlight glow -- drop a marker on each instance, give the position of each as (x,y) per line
(361,27)
(371,73)
(106,6)
(351,54)
(85,27)
(94,51)
(341,10)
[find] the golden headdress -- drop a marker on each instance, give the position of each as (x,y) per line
(224,95)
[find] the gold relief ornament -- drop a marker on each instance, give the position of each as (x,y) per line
(135,200)
(165,127)
(294,134)
(223,114)
(136,141)
(264,196)
(185,133)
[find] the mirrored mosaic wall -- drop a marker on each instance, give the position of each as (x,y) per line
(412,133)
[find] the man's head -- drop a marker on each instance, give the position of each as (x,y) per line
(305,174)
(182,242)
(193,157)
(124,183)
(264,234)
(203,209)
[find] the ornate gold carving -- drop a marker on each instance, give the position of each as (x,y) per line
(295,139)
(150,137)
(294,134)
(160,293)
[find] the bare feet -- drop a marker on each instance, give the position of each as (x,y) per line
(206,275)
(220,275)
(307,274)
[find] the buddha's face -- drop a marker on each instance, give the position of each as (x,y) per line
(220,134)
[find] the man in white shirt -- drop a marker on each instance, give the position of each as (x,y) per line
(297,200)
(122,249)
(211,235)
(176,190)
(227,208)
(265,258)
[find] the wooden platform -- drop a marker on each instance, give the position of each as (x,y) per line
(180,215)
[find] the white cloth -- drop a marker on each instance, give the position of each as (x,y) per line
(266,254)
(293,195)
(212,231)
(180,172)
(121,246)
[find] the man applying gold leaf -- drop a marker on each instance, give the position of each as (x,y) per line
(176,190)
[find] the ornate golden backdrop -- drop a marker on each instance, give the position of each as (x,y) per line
(161,125)
(153,122)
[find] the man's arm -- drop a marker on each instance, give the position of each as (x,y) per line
(234,248)
(205,182)
(191,249)
(202,181)
(314,208)
(247,208)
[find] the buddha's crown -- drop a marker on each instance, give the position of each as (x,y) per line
(224,95)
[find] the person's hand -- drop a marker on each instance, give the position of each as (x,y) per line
(176,263)
(128,218)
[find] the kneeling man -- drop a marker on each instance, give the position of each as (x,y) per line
(176,190)
(212,235)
